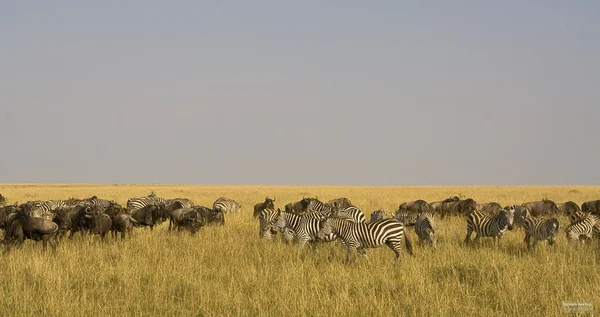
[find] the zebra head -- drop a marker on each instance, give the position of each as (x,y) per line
(279,223)
(325,229)
(509,217)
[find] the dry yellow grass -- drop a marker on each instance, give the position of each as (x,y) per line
(227,271)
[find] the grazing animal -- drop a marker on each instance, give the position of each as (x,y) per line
(22,226)
(460,207)
(141,202)
(305,227)
(425,229)
(123,223)
(378,215)
(352,213)
(44,209)
(489,226)
(102,224)
(541,208)
(416,206)
(491,209)
(191,221)
(211,216)
(63,220)
(269,203)
(358,236)
(437,206)
(582,229)
(6,211)
(568,208)
(341,202)
(265,223)
(544,229)
(592,206)
(148,215)
(224,204)
(81,220)
(2,201)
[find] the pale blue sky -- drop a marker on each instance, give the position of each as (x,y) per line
(305,92)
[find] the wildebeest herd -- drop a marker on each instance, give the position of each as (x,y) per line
(307,220)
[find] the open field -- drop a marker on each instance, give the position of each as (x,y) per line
(228,271)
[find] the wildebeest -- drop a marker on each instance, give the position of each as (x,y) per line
(191,221)
(298,206)
(2,201)
(541,208)
(22,226)
(416,206)
(519,215)
(225,204)
(176,215)
(5,211)
(460,207)
(113,209)
(149,215)
(436,206)
(491,208)
(342,203)
(81,220)
(592,206)
(102,224)
(569,209)
(269,203)
(63,220)
(211,216)
(123,223)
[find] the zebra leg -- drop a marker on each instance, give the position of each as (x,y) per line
(535,241)
(396,248)
(527,240)
(499,241)
(468,237)
(348,254)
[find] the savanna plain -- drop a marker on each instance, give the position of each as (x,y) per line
(229,271)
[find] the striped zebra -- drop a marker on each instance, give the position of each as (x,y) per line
(489,226)
(134,204)
(358,236)
(265,221)
(43,209)
(378,215)
(226,205)
(352,213)
(540,228)
(304,226)
(183,202)
(425,229)
(316,205)
(583,229)
(408,218)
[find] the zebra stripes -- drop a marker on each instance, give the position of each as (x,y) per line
(582,229)
(425,229)
(352,213)
(378,215)
(265,221)
(489,226)
(540,229)
(134,204)
(305,227)
(224,204)
(43,209)
(358,236)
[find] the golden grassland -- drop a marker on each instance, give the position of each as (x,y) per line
(228,271)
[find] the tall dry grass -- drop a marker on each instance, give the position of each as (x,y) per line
(227,271)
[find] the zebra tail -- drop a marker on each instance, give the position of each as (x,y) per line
(408,244)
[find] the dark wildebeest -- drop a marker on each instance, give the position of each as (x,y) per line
(491,209)
(102,224)
(592,206)
(63,220)
(341,202)
(176,215)
(461,207)
(569,209)
(436,206)
(299,206)
(541,208)
(81,220)
(378,215)
(123,223)
(22,226)
(416,206)
(5,211)
(147,215)
(2,201)
(211,216)
(269,203)
(191,221)
(114,209)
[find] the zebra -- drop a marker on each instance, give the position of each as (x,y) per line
(353,213)
(183,202)
(265,221)
(43,209)
(425,228)
(408,218)
(358,236)
(378,215)
(585,228)
(226,205)
(305,227)
(489,226)
(134,204)
(540,228)
(315,204)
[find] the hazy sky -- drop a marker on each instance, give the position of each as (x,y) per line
(304,92)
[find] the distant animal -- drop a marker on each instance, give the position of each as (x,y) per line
(269,203)
(491,208)
(436,206)
(489,226)
(592,206)
(225,205)
(358,236)
(416,206)
(305,227)
(460,207)
(540,229)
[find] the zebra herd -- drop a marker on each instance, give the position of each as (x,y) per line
(310,220)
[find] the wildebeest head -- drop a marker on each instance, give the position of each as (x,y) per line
(2,200)
(509,215)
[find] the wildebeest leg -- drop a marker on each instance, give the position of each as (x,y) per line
(535,241)
(468,237)
(527,240)
(348,254)
(499,241)
(122,235)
